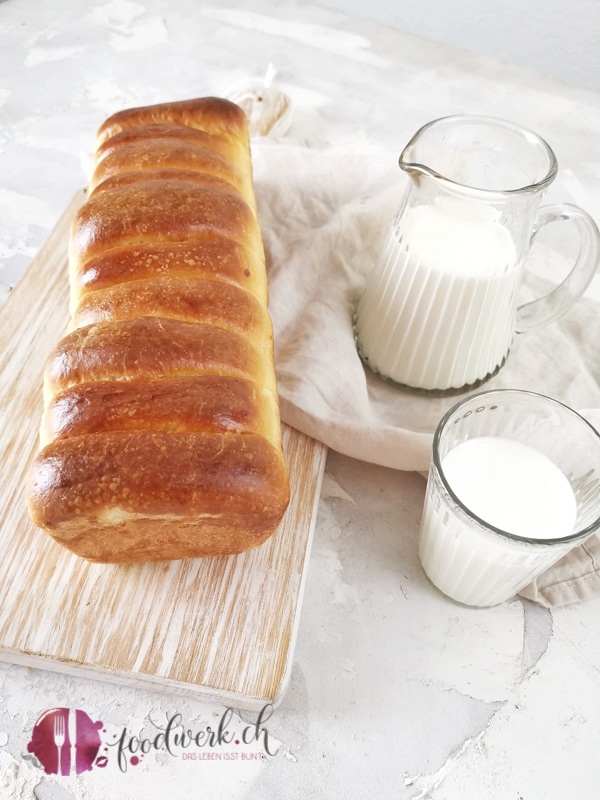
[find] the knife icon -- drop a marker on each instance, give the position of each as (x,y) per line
(73,741)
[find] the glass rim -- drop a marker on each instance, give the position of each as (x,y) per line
(572,537)
(525,133)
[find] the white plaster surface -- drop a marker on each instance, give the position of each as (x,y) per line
(557,37)
(396,692)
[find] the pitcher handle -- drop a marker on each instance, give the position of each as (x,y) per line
(560,299)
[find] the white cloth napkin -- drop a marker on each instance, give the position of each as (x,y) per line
(325,214)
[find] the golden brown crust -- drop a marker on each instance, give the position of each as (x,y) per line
(211,256)
(214,115)
(161,132)
(166,154)
(161,435)
(110,479)
(148,347)
(175,174)
(186,299)
(161,211)
(198,404)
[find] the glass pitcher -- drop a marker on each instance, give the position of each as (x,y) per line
(440,309)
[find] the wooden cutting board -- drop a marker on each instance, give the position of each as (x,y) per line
(222,628)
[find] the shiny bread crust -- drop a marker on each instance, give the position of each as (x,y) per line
(134,495)
(161,436)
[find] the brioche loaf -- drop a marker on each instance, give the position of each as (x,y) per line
(161,436)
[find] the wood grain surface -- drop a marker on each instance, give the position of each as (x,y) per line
(223,627)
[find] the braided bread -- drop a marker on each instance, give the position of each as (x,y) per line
(161,437)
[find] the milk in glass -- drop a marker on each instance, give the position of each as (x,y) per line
(509,486)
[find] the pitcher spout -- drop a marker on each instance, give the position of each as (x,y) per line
(480,154)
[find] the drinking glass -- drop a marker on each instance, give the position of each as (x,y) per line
(472,561)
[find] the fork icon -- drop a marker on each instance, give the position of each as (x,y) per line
(59,739)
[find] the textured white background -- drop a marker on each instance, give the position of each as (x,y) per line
(396,692)
(558,37)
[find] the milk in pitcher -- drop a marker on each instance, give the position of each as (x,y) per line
(439,308)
